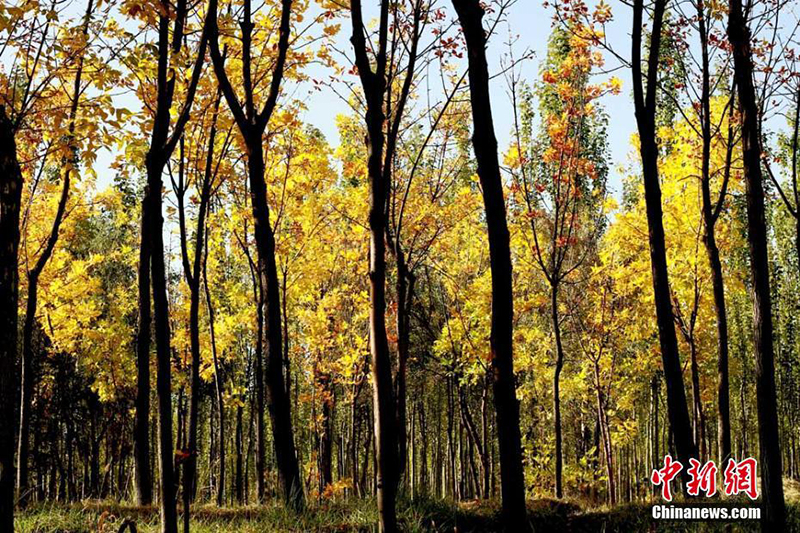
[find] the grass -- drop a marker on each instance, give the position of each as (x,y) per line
(349,516)
(421,515)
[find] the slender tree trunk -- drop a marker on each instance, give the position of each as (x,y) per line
(238,475)
(645,106)
(218,386)
(697,403)
(252,125)
(472,431)
(155,166)
(374,85)
(557,388)
(774,509)
(259,406)
(192,273)
(141,426)
(190,461)
(163,352)
(279,405)
(404,295)
(162,145)
(27,385)
(28,379)
(723,386)
(470,14)
(326,437)
(383,400)
(710,214)
(605,433)
(10,198)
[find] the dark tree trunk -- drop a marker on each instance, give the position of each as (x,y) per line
(218,385)
(238,475)
(710,215)
(404,295)
(645,106)
(162,145)
(252,124)
(774,509)
(699,419)
(472,431)
(279,405)
(141,426)
(326,436)
(192,272)
(169,519)
(28,378)
(383,400)
(373,83)
(604,431)
(557,387)
(470,14)
(259,407)
(10,198)
(94,446)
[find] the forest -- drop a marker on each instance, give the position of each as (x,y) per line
(399,265)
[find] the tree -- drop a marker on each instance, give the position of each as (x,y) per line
(251,123)
(162,144)
(470,15)
(192,266)
(561,178)
(645,104)
(373,83)
(33,274)
(711,212)
(10,194)
(774,508)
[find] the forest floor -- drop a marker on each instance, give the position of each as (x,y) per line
(361,516)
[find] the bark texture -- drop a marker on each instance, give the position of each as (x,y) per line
(774,509)
(470,15)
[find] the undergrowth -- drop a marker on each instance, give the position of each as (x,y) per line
(419,515)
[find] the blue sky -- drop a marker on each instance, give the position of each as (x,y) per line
(527,21)
(530,23)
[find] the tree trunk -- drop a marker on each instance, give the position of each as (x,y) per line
(697,403)
(710,214)
(557,388)
(10,198)
(259,407)
(162,145)
(470,14)
(605,433)
(374,86)
(141,425)
(28,379)
(218,386)
(169,521)
(645,107)
(192,273)
(251,125)
(472,431)
(279,405)
(404,295)
(238,479)
(774,509)
(190,460)
(326,436)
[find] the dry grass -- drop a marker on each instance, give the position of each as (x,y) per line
(421,515)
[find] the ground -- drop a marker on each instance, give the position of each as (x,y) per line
(361,516)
